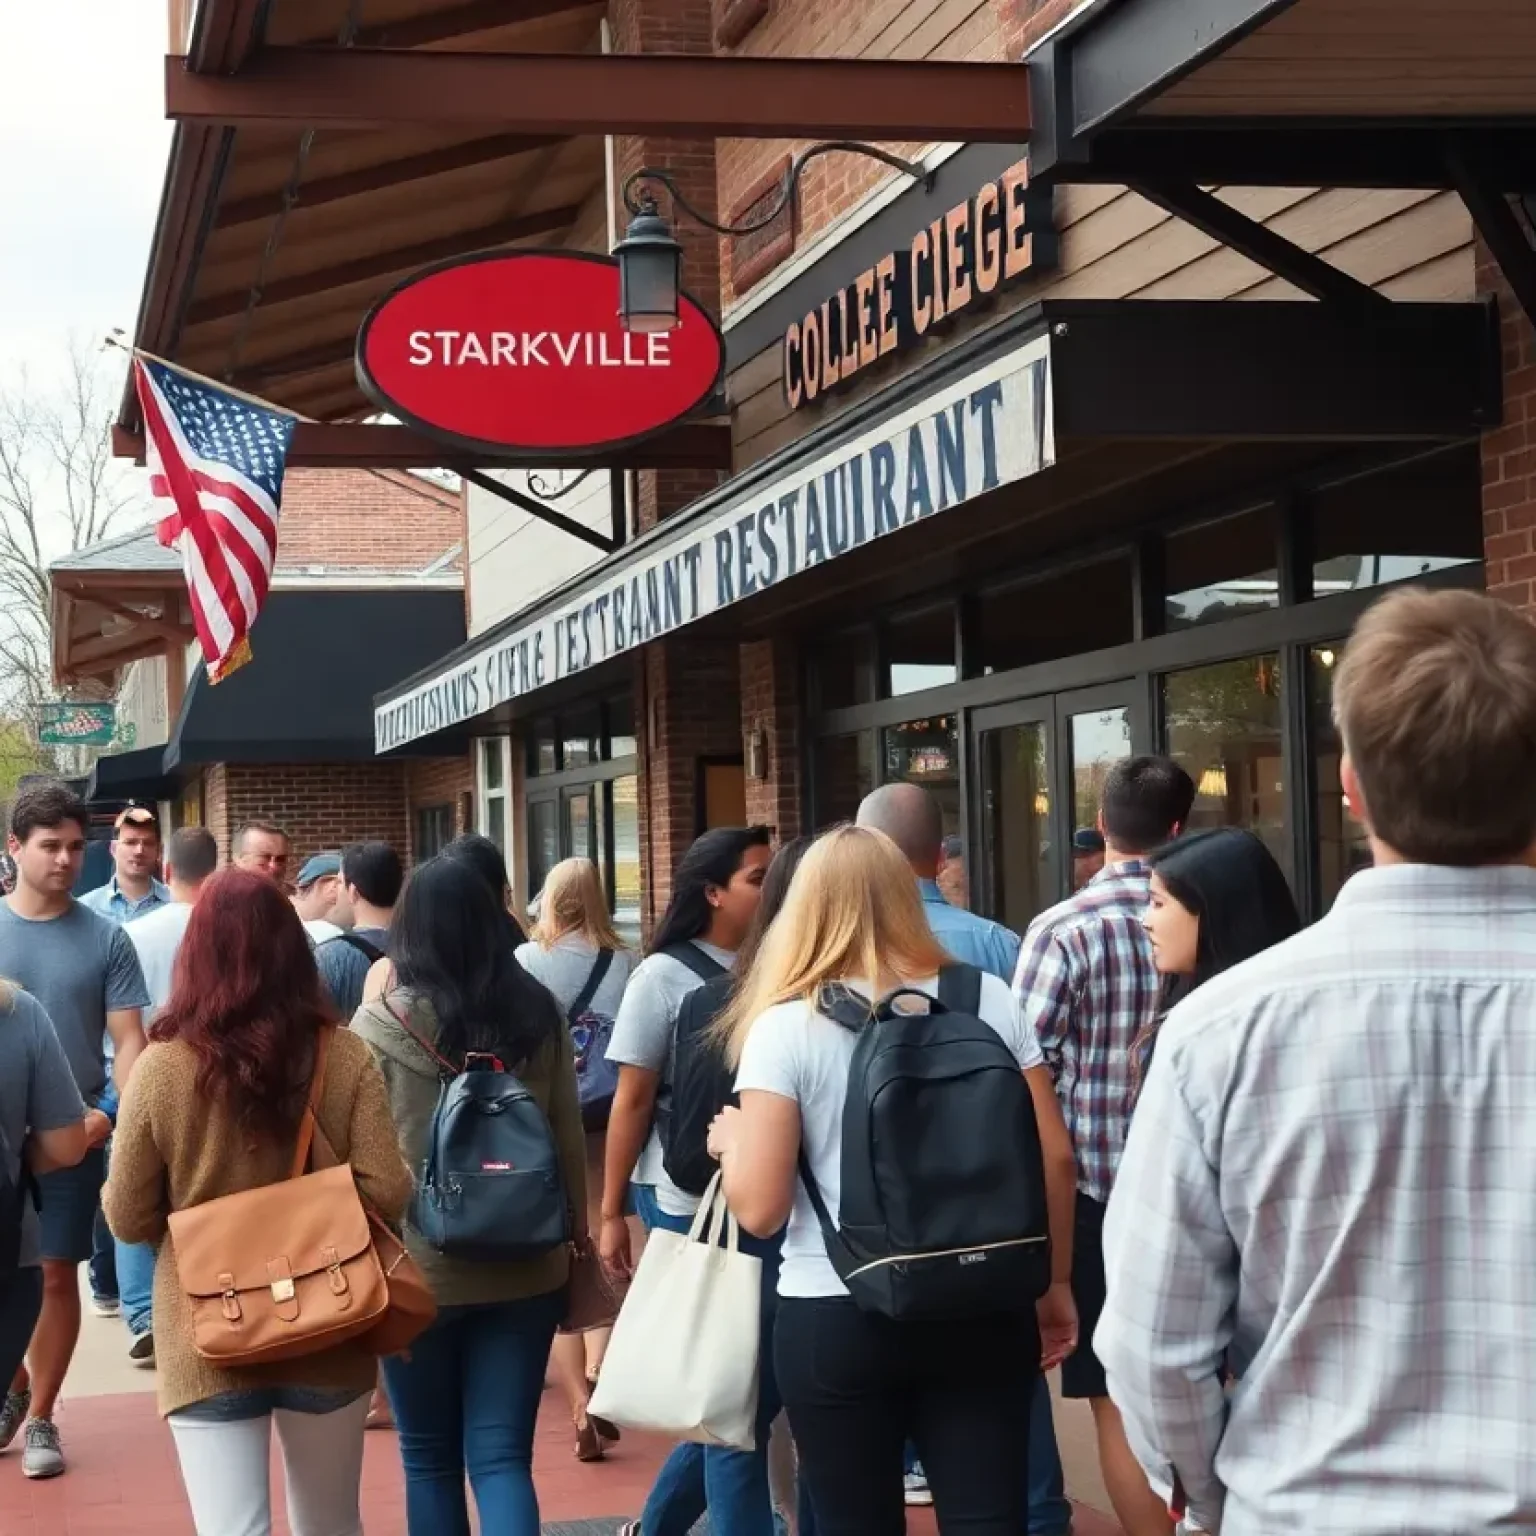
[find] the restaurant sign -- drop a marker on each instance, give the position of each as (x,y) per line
(522,352)
(952,266)
(983,430)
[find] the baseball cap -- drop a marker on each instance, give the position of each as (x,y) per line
(317,868)
(1087,840)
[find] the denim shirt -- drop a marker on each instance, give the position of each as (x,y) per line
(110,901)
(972,940)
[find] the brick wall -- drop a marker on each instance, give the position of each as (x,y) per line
(438,781)
(1509,452)
(319,805)
(770,704)
(672,26)
(363,520)
(691,690)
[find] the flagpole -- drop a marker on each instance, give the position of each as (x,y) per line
(115,339)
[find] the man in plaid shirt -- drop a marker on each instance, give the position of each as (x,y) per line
(1329,1190)
(1088,986)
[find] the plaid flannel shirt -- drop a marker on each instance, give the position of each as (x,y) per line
(1330,1187)
(1087,985)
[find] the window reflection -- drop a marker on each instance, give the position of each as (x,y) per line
(624,877)
(927,752)
(1342,846)
(845,773)
(1223,726)
(1098,738)
(920,652)
(1222,570)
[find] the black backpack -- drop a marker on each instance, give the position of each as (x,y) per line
(15,1195)
(943,1209)
(702,1085)
(489,1187)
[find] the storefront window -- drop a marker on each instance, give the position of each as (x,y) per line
(845,773)
(1222,570)
(920,652)
(624,878)
(581,738)
(543,753)
(543,842)
(1088,608)
(1017,877)
(1394,526)
(621,726)
(845,669)
(1342,846)
(1097,740)
(494,770)
(1223,725)
(927,752)
(434,830)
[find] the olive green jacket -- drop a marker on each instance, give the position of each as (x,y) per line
(412,1076)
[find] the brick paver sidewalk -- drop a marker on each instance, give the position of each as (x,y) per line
(123,1478)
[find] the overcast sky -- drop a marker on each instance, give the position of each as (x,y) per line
(84,137)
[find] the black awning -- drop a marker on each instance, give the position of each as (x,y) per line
(319,659)
(138,775)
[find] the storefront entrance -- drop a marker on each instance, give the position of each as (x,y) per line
(1040,766)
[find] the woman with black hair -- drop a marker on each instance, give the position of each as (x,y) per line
(715,895)
(485,858)
(1218,898)
(467,1395)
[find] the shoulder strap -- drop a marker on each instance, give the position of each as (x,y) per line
(960,989)
(705,967)
(583,999)
(371,952)
(431,1051)
(316,1088)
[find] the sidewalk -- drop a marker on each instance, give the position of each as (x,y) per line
(123,1477)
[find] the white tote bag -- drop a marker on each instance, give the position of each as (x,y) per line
(683,1357)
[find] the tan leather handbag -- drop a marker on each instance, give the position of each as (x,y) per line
(285,1270)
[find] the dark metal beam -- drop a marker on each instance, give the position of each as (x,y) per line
(686,95)
(1130,53)
(384,264)
(1287,152)
(1258,243)
(223,35)
(362,445)
(377,178)
(1503,233)
(541,510)
(463,21)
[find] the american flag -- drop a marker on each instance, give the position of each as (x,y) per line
(219,460)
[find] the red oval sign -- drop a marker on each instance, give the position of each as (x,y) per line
(523,351)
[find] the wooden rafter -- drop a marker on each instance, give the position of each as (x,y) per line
(685,95)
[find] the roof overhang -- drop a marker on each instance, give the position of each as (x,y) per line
(1025,409)
(1346,93)
(101,621)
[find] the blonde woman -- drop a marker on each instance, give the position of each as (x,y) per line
(579,957)
(857,1385)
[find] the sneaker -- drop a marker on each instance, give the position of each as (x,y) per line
(13,1414)
(42,1457)
(918,1494)
(106,1306)
(142,1350)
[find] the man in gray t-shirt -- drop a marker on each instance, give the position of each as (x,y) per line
(83,970)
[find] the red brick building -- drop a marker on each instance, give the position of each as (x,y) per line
(1093,441)
(369,574)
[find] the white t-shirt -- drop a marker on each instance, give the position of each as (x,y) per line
(156,937)
(800,1054)
(644,1033)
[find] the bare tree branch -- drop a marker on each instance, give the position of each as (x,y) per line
(60,490)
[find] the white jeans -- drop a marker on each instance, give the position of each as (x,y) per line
(226,1469)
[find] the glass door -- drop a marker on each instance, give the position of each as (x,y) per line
(1014,867)
(1039,767)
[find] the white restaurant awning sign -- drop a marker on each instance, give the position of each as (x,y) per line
(975,433)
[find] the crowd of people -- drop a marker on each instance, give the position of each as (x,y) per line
(1265,1194)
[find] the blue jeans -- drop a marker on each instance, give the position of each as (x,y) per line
(136,1284)
(467,1398)
(731,1485)
(1050,1511)
(103,1266)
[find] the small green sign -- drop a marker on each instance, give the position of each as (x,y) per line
(66,724)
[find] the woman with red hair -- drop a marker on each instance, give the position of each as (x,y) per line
(213,1108)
